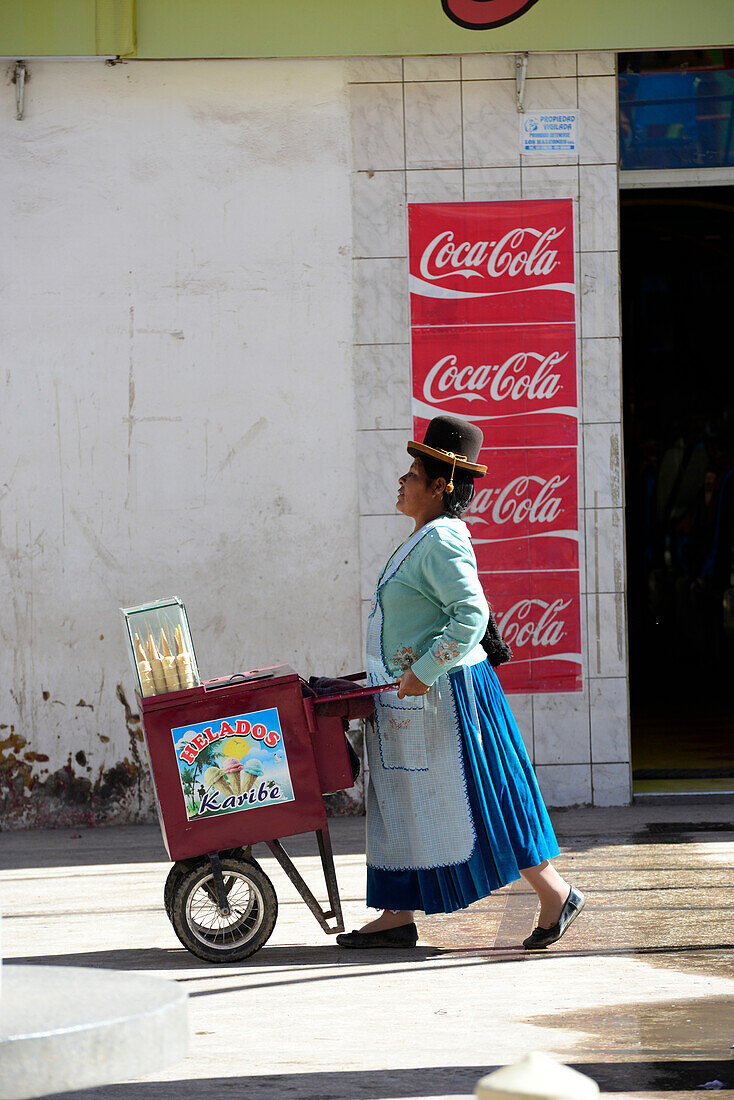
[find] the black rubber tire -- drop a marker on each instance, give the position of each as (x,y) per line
(250,889)
(177,871)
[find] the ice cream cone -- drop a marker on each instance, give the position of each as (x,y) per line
(215,777)
(183,661)
(169,664)
(234,771)
(146,676)
(156,667)
(251,774)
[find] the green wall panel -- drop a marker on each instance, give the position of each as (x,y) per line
(292,28)
(328,28)
(47,28)
(67,28)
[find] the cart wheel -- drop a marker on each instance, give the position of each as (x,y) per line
(210,934)
(179,869)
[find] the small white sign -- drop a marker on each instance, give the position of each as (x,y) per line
(549,132)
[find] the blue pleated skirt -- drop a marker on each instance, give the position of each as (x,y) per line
(511,822)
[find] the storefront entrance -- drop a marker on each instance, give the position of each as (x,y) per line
(678,375)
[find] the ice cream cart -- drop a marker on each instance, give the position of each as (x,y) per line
(235,761)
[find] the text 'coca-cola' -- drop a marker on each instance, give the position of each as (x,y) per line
(515,265)
(539,615)
(518,383)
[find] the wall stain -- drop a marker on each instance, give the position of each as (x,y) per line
(135,736)
(30,797)
(102,552)
(615,470)
(253,432)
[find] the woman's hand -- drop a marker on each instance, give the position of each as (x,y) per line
(411,685)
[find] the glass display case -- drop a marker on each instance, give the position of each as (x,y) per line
(161,651)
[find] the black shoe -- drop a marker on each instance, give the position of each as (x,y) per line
(405,935)
(544,937)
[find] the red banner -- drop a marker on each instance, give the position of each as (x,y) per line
(524,514)
(494,341)
(539,615)
(517,383)
(479,262)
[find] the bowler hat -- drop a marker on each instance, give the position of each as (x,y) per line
(453,441)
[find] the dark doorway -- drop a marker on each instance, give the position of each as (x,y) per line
(677,255)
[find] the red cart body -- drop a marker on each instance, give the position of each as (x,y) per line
(235,762)
(307,754)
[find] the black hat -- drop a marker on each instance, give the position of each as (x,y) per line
(451,440)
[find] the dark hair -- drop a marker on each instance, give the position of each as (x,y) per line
(454,505)
(457,502)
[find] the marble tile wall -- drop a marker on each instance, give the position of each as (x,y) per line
(445,129)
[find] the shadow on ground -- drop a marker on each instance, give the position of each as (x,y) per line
(628,1077)
(150,959)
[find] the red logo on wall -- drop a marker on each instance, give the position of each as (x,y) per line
(517,383)
(521,271)
(539,615)
(481,15)
(524,513)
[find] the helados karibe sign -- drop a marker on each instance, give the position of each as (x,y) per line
(232,764)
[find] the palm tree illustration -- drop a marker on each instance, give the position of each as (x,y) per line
(188,780)
(206,757)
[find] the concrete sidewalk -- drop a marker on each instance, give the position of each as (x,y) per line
(639,995)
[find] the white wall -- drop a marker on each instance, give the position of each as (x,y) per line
(445,129)
(177,399)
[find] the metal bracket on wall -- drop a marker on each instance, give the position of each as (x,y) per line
(521,72)
(20,75)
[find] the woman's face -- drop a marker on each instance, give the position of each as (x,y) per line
(417,496)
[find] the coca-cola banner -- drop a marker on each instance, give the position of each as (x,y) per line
(524,512)
(518,383)
(493,331)
(476,262)
(539,615)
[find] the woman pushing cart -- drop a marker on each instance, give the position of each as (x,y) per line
(453,806)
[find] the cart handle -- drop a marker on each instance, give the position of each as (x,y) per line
(358,693)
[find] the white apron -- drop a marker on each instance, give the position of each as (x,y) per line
(418,813)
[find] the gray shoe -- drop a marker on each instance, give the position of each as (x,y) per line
(544,937)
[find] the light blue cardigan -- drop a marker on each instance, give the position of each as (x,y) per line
(434,609)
